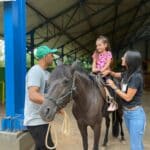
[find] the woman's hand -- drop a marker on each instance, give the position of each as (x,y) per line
(111,84)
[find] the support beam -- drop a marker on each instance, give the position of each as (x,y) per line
(15,60)
(141,3)
(78,22)
(139,18)
(133,35)
(101,24)
(54,17)
(85,13)
(146,49)
(75,55)
(114,23)
(78,49)
(62,53)
(57,27)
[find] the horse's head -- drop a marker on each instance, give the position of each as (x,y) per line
(59,92)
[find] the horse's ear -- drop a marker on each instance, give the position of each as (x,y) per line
(76,66)
(59,62)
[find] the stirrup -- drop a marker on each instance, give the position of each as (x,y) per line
(109,99)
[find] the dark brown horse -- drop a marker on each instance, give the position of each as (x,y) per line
(71,82)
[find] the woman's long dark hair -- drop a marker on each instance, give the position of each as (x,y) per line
(134,62)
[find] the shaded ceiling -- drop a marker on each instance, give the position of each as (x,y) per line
(74,25)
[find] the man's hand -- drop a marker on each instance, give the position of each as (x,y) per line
(61,111)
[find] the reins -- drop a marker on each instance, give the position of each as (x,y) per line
(65,129)
(60,102)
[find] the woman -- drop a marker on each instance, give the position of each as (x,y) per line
(131,94)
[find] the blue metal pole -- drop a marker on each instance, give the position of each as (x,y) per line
(15,64)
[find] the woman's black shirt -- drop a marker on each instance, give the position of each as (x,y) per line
(135,81)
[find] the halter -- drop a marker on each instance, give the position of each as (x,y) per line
(60,101)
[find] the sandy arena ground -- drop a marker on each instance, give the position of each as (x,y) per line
(74,142)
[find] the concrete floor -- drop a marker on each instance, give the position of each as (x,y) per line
(73,141)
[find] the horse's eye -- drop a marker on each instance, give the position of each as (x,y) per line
(66,81)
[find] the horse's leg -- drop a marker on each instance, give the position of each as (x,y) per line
(83,130)
(120,114)
(97,131)
(107,120)
(122,132)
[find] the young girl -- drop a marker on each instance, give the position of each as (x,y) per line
(102,59)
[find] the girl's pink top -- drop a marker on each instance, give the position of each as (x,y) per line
(102,58)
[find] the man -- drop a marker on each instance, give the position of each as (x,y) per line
(35,90)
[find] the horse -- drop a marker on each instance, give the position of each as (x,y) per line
(72,82)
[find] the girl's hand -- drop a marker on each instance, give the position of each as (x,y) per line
(111,83)
(106,72)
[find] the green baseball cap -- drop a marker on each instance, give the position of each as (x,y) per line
(42,51)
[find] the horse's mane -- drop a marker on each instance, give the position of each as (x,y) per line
(67,71)
(60,72)
(77,67)
(91,81)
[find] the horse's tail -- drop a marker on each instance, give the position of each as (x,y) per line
(115,124)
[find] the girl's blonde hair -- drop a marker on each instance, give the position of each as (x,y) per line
(104,40)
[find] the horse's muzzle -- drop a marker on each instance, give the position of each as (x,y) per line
(47,113)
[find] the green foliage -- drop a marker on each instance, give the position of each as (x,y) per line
(2,62)
(117,65)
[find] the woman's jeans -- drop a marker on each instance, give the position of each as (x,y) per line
(135,121)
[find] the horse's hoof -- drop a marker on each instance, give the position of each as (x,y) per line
(104,145)
(123,141)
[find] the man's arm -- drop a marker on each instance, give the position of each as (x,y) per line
(34,95)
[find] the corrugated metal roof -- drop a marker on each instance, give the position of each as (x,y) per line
(75,24)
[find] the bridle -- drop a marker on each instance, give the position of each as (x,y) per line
(60,102)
